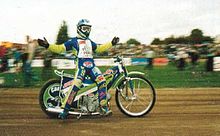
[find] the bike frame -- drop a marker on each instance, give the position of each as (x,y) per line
(116,77)
(111,75)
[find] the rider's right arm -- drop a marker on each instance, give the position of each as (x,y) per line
(57,48)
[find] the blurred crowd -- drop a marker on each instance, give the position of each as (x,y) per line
(179,54)
(19,59)
(182,55)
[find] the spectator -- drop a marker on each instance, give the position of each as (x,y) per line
(4,64)
(47,69)
(210,59)
(27,60)
(150,54)
(181,56)
(3,57)
(194,56)
(17,57)
(3,51)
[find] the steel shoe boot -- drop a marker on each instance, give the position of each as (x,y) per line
(63,115)
(105,111)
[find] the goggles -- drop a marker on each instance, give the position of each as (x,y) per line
(85,28)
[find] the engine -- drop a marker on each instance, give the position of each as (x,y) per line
(89,103)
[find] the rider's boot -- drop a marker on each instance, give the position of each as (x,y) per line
(105,111)
(63,115)
(104,108)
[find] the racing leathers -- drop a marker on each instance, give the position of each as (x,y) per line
(84,49)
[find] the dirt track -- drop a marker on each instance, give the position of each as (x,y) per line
(178,112)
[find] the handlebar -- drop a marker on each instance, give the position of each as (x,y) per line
(118,59)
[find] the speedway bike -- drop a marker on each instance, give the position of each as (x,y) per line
(134,94)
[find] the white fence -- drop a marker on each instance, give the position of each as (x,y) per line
(216,64)
(70,64)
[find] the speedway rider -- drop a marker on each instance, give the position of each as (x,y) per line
(83,48)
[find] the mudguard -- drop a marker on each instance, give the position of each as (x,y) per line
(129,74)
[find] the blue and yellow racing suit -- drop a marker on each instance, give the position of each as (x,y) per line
(84,49)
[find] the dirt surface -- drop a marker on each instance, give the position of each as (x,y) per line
(178,112)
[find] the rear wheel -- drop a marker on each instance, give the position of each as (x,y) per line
(49,97)
(140,102)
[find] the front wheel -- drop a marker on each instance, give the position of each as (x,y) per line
(138,103)
(49,97)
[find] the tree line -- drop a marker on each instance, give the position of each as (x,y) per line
(196,37)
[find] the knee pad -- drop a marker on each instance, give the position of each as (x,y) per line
(103,103)
(102,85)
(101,82)
(77,83)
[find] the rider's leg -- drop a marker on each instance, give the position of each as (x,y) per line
(71,93)
(102,89)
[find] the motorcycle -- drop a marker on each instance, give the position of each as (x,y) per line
(135,95)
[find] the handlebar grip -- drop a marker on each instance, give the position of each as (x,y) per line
(118,59)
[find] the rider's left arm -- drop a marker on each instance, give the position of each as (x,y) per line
(103,47)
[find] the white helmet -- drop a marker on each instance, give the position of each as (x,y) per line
(84,28)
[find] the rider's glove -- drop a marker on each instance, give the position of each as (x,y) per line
(44,43)
(115,40)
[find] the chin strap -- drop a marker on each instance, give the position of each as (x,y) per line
(82,36)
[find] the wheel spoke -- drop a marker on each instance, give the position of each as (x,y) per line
(141,101)
(129,105)
(134,85)
(138,90)
(126,91)
(122,95)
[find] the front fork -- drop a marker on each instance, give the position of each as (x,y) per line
(128,79)
(129,94)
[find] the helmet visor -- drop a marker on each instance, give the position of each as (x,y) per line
(86,28)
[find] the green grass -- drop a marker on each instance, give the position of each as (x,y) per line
(169,76)
(160,76)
